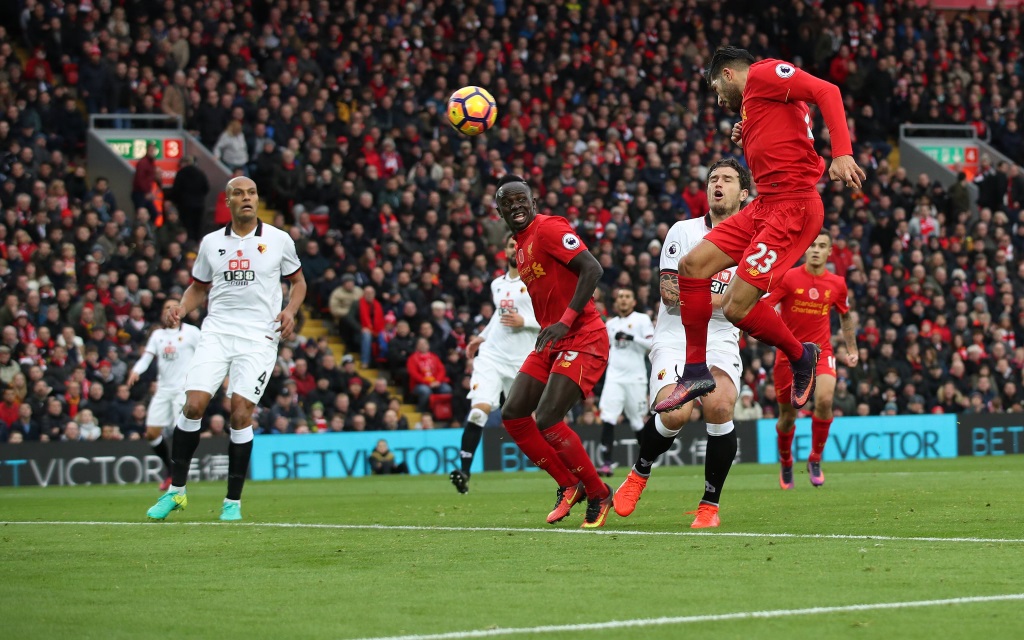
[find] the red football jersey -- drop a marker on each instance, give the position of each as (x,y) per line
(778,135)
(806,302)
(545,249)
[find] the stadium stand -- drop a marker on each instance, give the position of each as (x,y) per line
(336,110)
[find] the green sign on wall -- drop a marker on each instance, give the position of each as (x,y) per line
(945,154)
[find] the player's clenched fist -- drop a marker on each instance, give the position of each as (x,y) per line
(737,134)
(844,168)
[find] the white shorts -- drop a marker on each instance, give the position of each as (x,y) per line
(489,380)
(664,363)
(247,363)
(164,408)
(627,399)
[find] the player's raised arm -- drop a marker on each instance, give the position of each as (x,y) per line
(589,270)
(796,85)
(802,86)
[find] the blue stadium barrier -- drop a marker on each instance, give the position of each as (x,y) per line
(869,438)
(344,455)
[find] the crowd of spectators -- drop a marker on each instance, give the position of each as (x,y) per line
(336,109)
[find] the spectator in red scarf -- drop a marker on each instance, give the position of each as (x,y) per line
(427,375)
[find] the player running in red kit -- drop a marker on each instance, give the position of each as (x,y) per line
(770,234)
(806,295)
(561,276)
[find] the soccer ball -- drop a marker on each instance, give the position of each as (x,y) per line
(471,110)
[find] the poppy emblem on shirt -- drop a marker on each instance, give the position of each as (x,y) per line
(784,70)
(239,253)
(812,293)
(570,241)
(262,248)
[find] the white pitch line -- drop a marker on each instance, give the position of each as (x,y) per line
(584,532)
(721,617)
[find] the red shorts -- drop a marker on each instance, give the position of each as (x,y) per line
(585,369)
(768,236)
(784,373)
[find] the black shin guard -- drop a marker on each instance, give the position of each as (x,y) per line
(471,435)
(183,447)
(652,445)
(238,466)
(721,451)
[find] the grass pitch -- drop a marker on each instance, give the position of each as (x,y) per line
(408,556)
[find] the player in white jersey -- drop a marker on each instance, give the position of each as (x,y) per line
(237,273)
(173,350)
(631,334)
(728,187)
(503,346)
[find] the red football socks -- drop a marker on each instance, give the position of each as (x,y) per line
(819,436)
(695,311)
(786,446)
(767,326)
(570,449)
(531,442)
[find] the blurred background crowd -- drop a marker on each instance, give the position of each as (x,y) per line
(336,109)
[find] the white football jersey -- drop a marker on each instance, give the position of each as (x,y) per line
(245,273)
(504,344)
(722,335)
(627,360)
(173,350)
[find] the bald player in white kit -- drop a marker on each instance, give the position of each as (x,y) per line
(237,274)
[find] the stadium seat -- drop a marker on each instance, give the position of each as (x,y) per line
(441,406)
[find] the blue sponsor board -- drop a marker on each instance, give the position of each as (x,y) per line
(869,438)
(67,464)
(988,434)
(344,455)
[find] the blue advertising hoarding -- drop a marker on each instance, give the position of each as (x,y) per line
(344,455)
(991,434)
(869,438)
